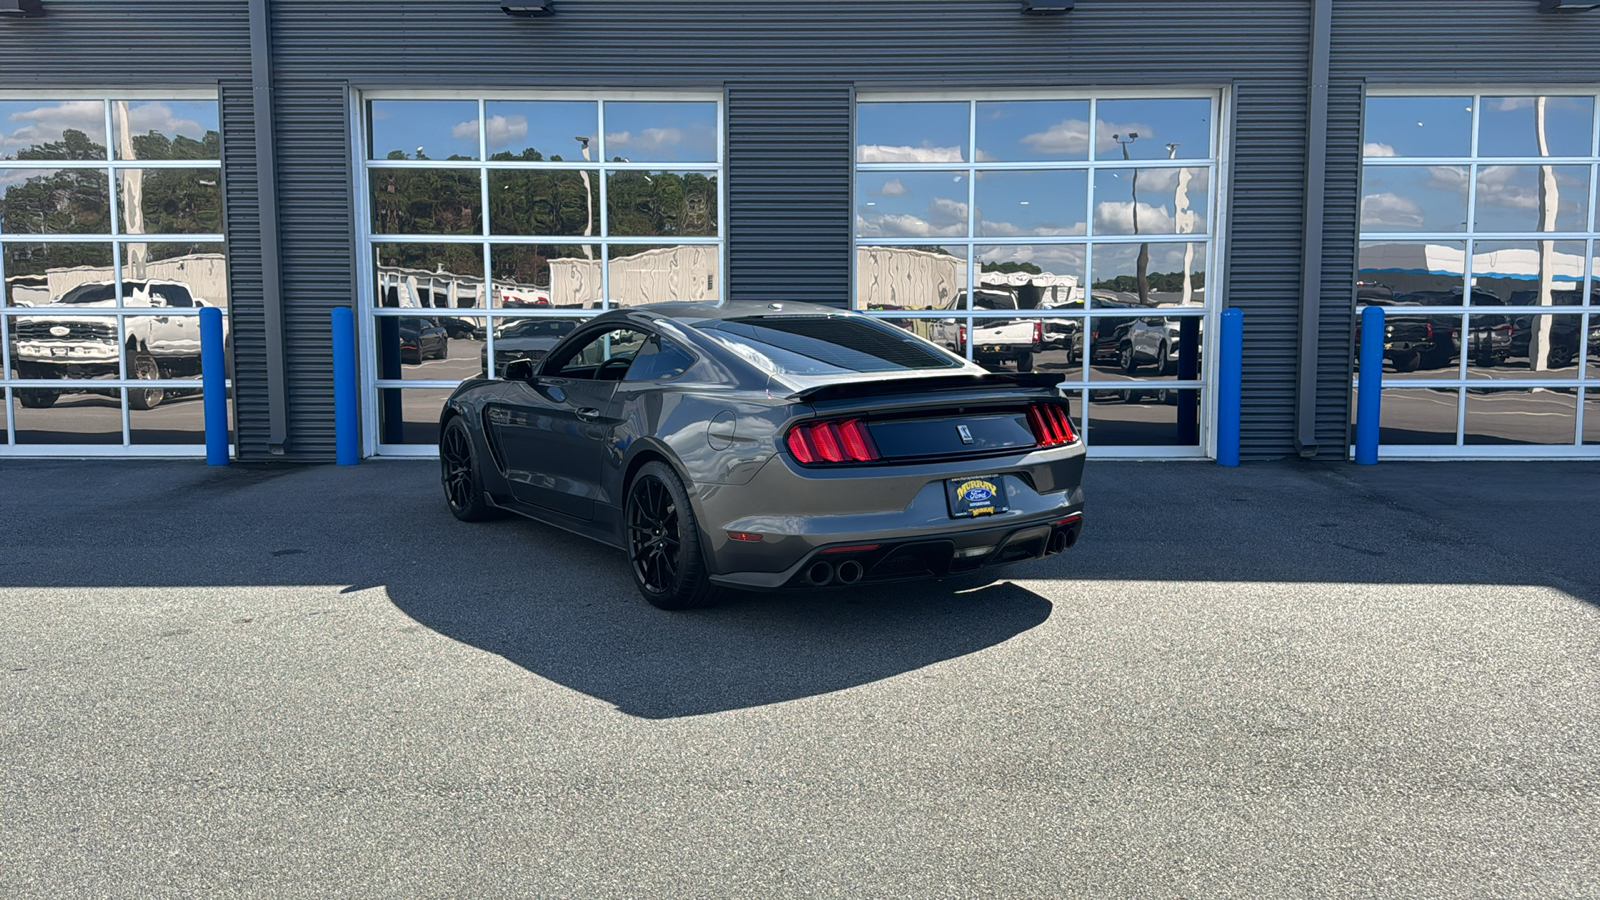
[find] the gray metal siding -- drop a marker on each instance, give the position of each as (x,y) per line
(788,71)
(101,44)
(242,210)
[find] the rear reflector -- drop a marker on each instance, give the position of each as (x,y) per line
(1051,425)
(853,548)
(839,441)
(750,536)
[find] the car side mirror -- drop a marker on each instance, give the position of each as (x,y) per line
(519,370)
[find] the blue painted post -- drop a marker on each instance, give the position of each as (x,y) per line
(346,421)
(214,386)
(1230,387)
(1369,397)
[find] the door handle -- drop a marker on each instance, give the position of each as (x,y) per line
(588,414)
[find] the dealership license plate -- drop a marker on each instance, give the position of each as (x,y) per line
(983,495)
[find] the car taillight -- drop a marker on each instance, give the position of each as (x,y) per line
(839,441)
(1051,425)
(1038,332)
(1428,326)
(961,335)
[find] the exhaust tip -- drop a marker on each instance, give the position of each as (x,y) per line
(850,572)
(819,573)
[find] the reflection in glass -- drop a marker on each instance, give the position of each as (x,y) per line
(63,348)
(1417,344)
(55,201)
(652,274)
(428,275)
(1042,276)
(166,129)
(1432,274)
(1528,273)
(1418,126)
(179,420)
(424,129)
(527,338)
(543,202)
(74,414)
(410,415)
(893,278)
(1154,417)
(661,131)
(1150,201)
(1535,126)
(1591,416)
(541,129)
(1145,347)
(1024,130)
(1153,129)
(41,274)
(1045,202)
(934,132)
(169,201)
(1525,346)
(426,201)
(52,129)
(420,348)
(1532,198)
(1413,198)
(911,204)
(1513,416)
(1418,416)
(199,269)
(543,276)
(1049,345)
(661,204)
(1149,274)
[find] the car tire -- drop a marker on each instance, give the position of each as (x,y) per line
(1126,359)
(145,368)
(1407,361)
(663,541)
(1162,361)
(1560,356)
(1025,361)
(460,475)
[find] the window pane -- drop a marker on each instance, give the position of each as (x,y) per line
(424,129)
(1153,129)
(1591,416)
(641,274)
(661,204)
(1051,345)
(825,345)
(654,131)
(1541,416)
(1511,126)
(169,201)
(911,204)
(55,201)
(1510,271)
(426,201)
(1150,273)
(542,130)
(1418,345)
(1418,416)
(38,274)
(1154,417)
(52,129)
(544,202)
(418,348)
(543,276)
(1524,198)
(1169,201)
(68,347)
(1413,198)
(1432,273)
(166,129)
(410,415)
(71,414)
(180,419)
(1047,202)
(893,278)
(911,132)
(528,338)
(1023,130)
(1525,346)
(1042,276)
(428,276)
(1418,126)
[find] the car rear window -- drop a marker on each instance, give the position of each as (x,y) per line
(824,345)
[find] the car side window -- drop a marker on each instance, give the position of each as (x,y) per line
(604,357)
(659,359)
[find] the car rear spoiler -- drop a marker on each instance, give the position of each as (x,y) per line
(850,390)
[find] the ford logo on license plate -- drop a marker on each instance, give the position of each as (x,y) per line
(59,331)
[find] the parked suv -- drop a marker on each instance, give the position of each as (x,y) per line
(78,346)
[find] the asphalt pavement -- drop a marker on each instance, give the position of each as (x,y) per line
(1282,680)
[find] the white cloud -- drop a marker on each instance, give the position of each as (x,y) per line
(1389,210)
(1070,136)
(905,225)
(45,124)
(1046,229)
(882,153)
(1116,217)
(943,209)
(1372,149)
(892,188)
(160,118)
(1106,132)
(503,130)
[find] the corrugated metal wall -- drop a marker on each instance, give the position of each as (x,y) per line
(1414,43)
(788,70)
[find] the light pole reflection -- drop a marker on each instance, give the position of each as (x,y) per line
(1142,272)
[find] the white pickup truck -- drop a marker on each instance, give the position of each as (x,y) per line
(995,341)
(158,346)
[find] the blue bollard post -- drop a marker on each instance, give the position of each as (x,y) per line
(1369,396)
(214,386)
(1230,387)
(346,423)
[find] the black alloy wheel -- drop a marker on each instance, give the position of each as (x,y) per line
(664,543)
(458,470)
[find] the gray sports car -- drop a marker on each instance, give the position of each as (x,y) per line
(768,447)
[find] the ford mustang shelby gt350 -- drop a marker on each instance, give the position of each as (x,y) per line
(768,447)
